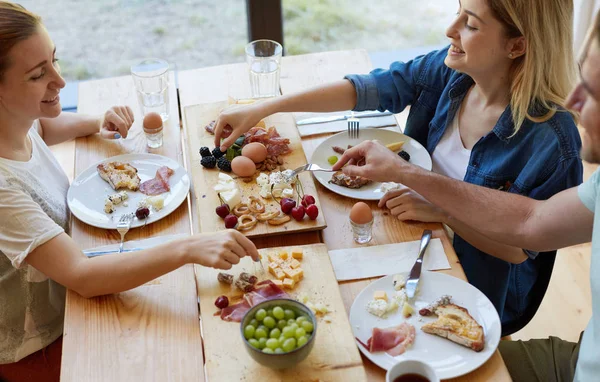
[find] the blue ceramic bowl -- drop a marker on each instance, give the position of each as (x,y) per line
(282,360)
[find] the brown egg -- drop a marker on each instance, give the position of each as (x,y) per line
(152,121)
(242,166)
(361,213)
(255,151)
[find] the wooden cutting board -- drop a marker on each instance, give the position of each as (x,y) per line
(203,180)
(334,356)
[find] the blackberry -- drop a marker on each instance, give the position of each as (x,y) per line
(224,164)
(217,153)
(404,155)
(209,162)
(205,152)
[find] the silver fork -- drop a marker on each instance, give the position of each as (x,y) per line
(307,167)
(353,126)
(123,227)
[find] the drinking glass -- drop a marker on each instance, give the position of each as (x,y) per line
(362,232)
(151,79)
(264,62)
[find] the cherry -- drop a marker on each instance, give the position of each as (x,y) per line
(222,302)
(307,200)
(222,210)
(230,221)
(298,213)
(312,211)
(287,204)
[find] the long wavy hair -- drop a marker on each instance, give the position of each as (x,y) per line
(542,78)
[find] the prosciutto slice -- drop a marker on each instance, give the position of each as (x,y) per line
(266,290)
(227,130)
(159,184)
(275,144)
(394,340)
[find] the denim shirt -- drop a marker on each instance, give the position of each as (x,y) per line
(541,160)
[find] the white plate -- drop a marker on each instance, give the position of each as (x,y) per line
(372,191)
(88,191)
(449,359)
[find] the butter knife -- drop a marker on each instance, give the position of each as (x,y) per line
(415,273)
(332,118)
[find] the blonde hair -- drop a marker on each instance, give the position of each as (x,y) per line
(542,78)
(16,24)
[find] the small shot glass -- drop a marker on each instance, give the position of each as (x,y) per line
(362,232)
(153,128)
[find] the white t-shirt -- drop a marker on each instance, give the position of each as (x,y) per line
(588,363)
(33,210)
(450,157)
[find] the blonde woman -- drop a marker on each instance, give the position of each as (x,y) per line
(489,109)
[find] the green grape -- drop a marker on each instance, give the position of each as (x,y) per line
(260,333)
(308,326)
(268,351)
(278,313)
(289,344)
(289,314)
(263,328)
(294,326)
(288,332)
(332,160)
(279,351)
(301,319)
(254,322)
(262,343)
(281,339)
(254,343)
(281,324)
(275,333)
(260,314)
(300,332)
(290,321)
(272,343)
(302,340)
(270,312)
(269,322)
(249,331)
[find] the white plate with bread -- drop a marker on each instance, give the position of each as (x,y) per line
(89,194)
(450,357)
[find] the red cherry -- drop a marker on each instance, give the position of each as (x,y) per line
(312,211)
(298,213)
(287,204)
(222,210)
(230,221)
(307,200)
(222,302)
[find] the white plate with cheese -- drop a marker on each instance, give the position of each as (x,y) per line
(449,359)
(88,193)
(373,190)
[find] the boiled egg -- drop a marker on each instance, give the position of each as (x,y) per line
(152,121)
(243,166)
(361,213)
(255,151)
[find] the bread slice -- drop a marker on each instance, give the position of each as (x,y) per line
(456,324)
(119,175)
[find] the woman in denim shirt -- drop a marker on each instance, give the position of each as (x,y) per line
(489,111)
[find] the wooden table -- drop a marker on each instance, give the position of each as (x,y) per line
(152,332)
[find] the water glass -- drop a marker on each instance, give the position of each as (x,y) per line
(264,63)
(362,232)
(151,79)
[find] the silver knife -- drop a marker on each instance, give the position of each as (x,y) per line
(415,273)
(331,118)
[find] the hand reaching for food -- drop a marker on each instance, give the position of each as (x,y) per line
(219,250)
(235,121)
(116,122)
(371,160)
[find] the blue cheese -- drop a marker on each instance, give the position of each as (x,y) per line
(377,308)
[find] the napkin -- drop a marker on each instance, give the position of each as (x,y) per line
(131,246)
(337,126)
(381,260)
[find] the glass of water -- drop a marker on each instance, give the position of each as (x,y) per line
(264,62)
(151,79)
(362,232)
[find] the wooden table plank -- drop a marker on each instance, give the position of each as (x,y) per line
(151,332)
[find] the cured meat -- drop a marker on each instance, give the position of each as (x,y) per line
(235,312)
(344,180)
(227,130)
(394,340)
(266,290)
(275,144)
(159,184)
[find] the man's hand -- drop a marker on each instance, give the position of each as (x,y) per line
(372,160)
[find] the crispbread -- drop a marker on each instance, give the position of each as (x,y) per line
(456,324)
(119,175)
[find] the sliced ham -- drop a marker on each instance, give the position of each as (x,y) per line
(265,290)
(394,340)
(159,184)
(275,144)
(227,130)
